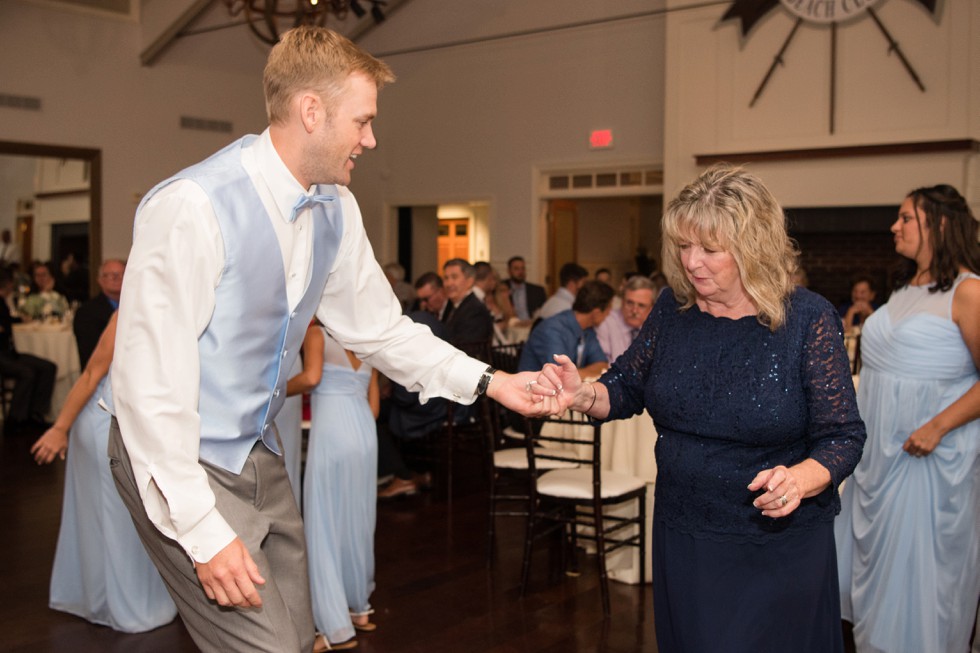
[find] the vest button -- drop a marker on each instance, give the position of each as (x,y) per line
(275,392)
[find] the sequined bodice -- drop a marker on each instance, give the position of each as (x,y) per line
(731,398)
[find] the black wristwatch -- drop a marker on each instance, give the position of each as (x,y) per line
(481,387)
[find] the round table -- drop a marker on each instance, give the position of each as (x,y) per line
(56,343)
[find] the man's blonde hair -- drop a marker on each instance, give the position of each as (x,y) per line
(317,59)
(727,208)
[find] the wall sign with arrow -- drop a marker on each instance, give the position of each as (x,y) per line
(832,12)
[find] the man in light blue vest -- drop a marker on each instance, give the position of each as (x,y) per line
(231,258)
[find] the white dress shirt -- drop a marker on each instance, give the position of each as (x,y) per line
(562,300)
(167,300)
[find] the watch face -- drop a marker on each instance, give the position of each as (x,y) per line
(827,11)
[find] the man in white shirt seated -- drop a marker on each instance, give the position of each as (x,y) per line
(572,277)
(617,332)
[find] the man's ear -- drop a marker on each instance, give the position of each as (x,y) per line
(310,110)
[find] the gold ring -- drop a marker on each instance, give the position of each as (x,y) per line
(783,500)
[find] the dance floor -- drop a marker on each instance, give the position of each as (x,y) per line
(434,592)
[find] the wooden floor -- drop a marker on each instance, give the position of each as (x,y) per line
(434,590)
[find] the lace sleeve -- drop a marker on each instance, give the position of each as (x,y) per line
(835,431)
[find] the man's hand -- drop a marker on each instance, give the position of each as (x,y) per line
(522,393)
(229,577)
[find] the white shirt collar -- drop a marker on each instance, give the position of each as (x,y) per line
(282,184)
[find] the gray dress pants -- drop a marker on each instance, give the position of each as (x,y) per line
(259,505)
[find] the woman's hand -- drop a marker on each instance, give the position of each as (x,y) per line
(524,393)
(53,443)
(923,440)
(562,377)
(786,487)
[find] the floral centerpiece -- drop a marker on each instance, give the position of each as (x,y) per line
(44,306)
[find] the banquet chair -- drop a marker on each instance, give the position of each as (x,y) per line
(465,427)
(573,501)
(509,476)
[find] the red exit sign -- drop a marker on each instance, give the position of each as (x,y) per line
(600,139)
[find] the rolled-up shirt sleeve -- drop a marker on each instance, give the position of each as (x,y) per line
(167,300)
(359,310)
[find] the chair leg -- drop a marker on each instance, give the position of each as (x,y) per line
(528,543)
(600,544)
(492,521)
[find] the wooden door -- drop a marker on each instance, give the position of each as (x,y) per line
(562,238)
(453,240)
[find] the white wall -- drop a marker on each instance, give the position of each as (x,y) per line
(712,74)
(95,94)
(471,122)
(461,124)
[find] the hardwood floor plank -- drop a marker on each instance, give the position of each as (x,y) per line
(435,593)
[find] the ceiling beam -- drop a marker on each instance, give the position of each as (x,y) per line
(163,22)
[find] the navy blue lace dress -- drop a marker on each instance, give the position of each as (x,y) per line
(729,399)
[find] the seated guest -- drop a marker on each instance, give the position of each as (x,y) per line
(617,331)
(572,333)
(45,300)
(408,420)
(495,297)
(526,297)
(431,296)
(93,316)
(33,377)
(604,275)
(862,304)
(403,290)
(469,320)
(101,571)
(571,276)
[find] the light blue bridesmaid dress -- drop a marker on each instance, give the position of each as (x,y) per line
(339,494)
(101,571)
(907,537)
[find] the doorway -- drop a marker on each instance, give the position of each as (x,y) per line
(28,225)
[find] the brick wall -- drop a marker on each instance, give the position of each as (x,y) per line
(832,260)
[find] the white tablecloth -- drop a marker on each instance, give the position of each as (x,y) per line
(56,343)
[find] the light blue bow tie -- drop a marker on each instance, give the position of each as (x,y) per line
(308,201)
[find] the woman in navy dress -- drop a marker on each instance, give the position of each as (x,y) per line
(747,380)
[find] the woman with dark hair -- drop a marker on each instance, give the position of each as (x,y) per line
(747,380)
(907,537)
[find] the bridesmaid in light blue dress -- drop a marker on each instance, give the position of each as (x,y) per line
(908,536)
(339,487)
(101,571)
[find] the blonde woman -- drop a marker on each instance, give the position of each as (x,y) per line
(746,378)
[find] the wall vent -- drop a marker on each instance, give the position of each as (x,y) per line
(204,124)
(20,102)
(627,179)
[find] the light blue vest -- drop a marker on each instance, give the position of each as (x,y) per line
(252,340)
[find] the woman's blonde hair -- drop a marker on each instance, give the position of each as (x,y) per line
(317,59)
(729,209)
